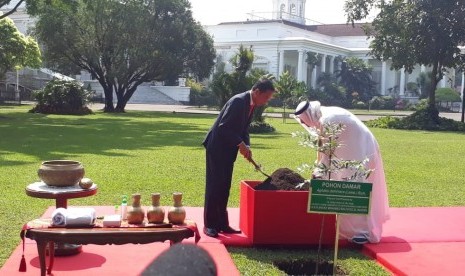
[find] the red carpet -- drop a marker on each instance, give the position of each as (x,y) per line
(416,241)
(127,259)
(422,241)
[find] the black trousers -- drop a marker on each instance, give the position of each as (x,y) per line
(218,183)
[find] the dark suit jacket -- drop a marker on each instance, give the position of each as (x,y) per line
(230,128)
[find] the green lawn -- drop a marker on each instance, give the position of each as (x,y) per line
(159,152)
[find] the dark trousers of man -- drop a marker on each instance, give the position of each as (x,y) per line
(218,184)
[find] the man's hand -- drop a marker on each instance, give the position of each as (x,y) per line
(245,151)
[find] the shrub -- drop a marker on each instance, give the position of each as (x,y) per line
(199,95)
(383,102)
(359,105)
(423,119)
(62,97)
(447,95)
(330,95)
(260,127)
(422,104)
(383,122)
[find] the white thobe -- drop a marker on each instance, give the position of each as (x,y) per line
(359,143)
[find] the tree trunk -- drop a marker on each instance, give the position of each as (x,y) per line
(463,105)
(432,109)
(109,107)
(121,102)
(434,83)
(120,106)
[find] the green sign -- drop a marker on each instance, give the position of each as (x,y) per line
(339,197)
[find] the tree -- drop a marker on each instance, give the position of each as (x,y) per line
(355,76)
(289,90)
(125,43)
(16,50)
(225,85)
(12,9)
(415,32)
(313,59)
(330,92)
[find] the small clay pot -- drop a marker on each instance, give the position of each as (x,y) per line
(177,213)
(155,213)
(61,172)
(135,213)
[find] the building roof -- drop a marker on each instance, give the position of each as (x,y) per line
(326,29)
(339,29)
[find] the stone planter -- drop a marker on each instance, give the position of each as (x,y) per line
(281,218)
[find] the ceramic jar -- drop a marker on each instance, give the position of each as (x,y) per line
(177,213)
(61,173)
(135,214)
(155,213)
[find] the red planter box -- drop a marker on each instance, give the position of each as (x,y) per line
(281,218)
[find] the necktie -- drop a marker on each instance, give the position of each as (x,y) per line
(252,107)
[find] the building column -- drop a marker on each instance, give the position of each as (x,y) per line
(315,68)
(323,64)
(300,66)
(383,78)
(281,62)
(402,82)
(331,64)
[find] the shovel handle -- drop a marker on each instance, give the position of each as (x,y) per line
(258,167)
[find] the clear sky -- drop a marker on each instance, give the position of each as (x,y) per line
(210,12)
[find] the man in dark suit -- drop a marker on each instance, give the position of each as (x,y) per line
(228,135)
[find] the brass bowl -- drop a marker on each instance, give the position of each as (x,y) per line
(61,173)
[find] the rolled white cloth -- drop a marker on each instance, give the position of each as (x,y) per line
(59,217)
(73,217)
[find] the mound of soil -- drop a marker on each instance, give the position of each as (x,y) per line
(283,179)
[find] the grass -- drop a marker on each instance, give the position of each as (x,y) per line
(159,152)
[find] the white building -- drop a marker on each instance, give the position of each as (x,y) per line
(280,43)
(282,38)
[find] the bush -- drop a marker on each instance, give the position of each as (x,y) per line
(447,95)
(260,127)
(423,119)
(359,105)
(383,102)
(62,97)
(383,122)
(331,95)
(199,95)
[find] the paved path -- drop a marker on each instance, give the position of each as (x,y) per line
(193,109)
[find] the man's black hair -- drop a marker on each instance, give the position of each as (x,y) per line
(263,85)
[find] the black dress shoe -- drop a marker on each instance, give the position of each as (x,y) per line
(210,232)
(230,230)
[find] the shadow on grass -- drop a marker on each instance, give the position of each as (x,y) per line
(57,137)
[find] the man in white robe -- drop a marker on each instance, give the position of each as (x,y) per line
(358,143)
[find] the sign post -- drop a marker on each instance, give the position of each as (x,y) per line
(339,197)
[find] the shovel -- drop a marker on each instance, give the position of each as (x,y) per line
(258,168)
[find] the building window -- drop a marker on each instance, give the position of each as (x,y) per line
(293,9)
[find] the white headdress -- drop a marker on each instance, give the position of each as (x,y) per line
(308,112)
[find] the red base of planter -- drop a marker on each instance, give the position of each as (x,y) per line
(281,218)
